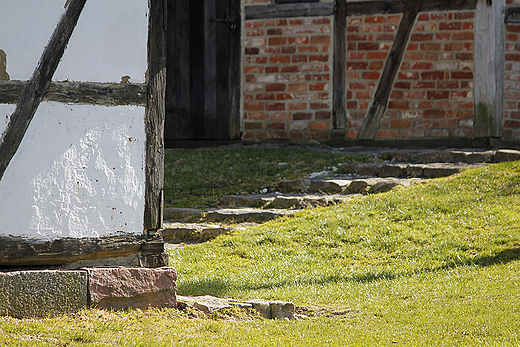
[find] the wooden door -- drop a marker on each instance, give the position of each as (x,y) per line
(203,83)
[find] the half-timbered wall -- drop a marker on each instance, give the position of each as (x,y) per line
(315,74)
(80,168)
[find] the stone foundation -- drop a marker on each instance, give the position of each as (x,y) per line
(47,293)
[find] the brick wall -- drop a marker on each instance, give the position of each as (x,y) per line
(287,78)
(512,79)
(433,92)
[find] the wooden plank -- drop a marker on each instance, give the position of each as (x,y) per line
(155,113)
(316,9)
(39,83)
(197,63)
(489,69)
(370,126)
(178,106)
(87,93)
(210,70)
(221,59)
(354,8)
(358,8)
(234,72)
(340,54)
(512,14)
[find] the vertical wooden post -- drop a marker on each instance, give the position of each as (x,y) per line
(489,68)
(155,113)
(339,78)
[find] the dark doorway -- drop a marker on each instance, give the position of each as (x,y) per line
(203,80)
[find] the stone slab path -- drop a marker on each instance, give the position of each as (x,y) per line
(398,167)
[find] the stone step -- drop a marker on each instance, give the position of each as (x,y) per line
(233,215)
(470,156)
(192,232)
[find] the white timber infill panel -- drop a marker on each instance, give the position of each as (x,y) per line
(79,171)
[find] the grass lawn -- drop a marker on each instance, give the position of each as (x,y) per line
(201,177)
(435,264)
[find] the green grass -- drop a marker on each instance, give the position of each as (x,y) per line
(202,177)
(435,264)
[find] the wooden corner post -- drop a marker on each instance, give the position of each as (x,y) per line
(155,114)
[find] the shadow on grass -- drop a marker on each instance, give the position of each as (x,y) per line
(223,287)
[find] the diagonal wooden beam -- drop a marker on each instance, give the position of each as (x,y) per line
(39,83)
(370,126)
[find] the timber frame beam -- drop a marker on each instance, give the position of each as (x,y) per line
(91,93)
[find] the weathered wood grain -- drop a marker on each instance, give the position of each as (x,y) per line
(340,55)
(354,8)
(89,93)
(39,83)
(155,114)
(289,10)
(370,126)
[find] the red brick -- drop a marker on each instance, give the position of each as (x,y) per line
(284,96)
(377,55)
(376,65)
(323,115)
(276,125)
(398,105)
(431,47)
(409,76)
(368,46)
(463,36)
(297,106)
(450,26)
(253,125)
(422,123)
(400,123)
(300,87)
(434,94)
(277,41)
(308,49)
(396,94)
(422,65)
(363,95)
(265,96)
(375,19)
(283,59)
(318,86)
(322,39)
(252,50)
(415,94)
(387,134)
(432,75)
(421,37)
(453,46)
(277,117)
(319,105)
(464,15)
(372,75)
(434,113)
(414,56)
(302,116)
(403,85)
(319,58)
(324,20)
(288,50)
(319,125)
(371,28)
(250,106)
(275,87)
(275,106)
(298,40)
(443,36)
(512,56)
(357,65)
(462,75)
(272,69)
(257,115)
(357,85)
(385,37)
(464,56)
(431,56)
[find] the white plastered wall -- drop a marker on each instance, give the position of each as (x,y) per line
(79,171)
